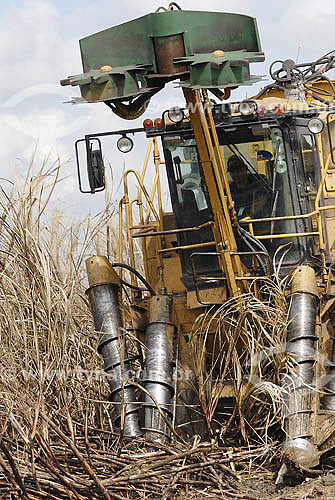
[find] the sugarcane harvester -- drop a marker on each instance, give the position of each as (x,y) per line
(246,180)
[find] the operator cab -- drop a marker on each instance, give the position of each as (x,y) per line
(281,177)
(271,162)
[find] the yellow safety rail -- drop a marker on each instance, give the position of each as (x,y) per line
(154,209)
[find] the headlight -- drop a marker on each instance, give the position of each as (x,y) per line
(247,108)
(176,115)
(124,144)
(315,125)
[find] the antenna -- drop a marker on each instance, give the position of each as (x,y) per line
(298,54)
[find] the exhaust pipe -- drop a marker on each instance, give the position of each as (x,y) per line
(298,381)
(158,369)
(103,297)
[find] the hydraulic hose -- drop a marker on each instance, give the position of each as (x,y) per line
(137,274)
(305,73)
(253,239)
(129,111)
(260,262)
(171,5)
(248,239)
(133,287)
(134,109)
(174,4)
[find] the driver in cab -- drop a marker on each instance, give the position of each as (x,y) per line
(247,190)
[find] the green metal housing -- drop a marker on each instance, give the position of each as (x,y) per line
(146,53)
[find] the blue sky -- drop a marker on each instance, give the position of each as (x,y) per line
(39,46)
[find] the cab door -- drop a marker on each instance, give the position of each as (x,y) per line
(308,172)
(191,207)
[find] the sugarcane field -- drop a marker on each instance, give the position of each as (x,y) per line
(167,251)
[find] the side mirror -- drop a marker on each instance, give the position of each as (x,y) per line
(95,170)
(95,165)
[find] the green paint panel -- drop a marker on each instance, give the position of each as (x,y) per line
(123,45)
(208,31)
(131,42)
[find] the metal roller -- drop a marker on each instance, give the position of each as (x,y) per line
(103,296)
(158,369)
(297,383)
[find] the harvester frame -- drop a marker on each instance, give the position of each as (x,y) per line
(280,138)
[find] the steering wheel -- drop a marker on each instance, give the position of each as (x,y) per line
(191,182)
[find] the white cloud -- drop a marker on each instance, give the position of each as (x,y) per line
(33,58)
(33,50)
(302,23)
(39,46)
(147,6)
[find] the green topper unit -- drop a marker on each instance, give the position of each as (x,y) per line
(136,59)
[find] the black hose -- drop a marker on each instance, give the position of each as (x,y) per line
(330,82)
(307,72)
(174,4)
(137,274)
(319,91)
(133,287)
(249,240)
(271,66)
(317,98)
(259,260)
(253,239)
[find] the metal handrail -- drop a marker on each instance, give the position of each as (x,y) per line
(316,212)
(149,197)
(171,231)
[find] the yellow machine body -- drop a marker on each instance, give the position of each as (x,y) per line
(209,247)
